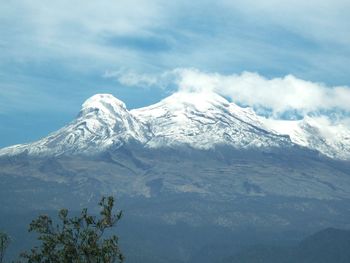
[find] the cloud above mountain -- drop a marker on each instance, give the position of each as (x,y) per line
(279,95)
(65,45)
(52,57)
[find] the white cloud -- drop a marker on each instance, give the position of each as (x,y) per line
(264,35)
(280,95)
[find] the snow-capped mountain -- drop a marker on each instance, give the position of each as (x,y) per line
(203,120)
(332,140)
(200,120)
(193,157)
(102,122)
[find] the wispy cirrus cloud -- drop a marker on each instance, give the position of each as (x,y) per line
(307,39)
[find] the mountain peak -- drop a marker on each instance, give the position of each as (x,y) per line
(106,103)
(102,122)
(202,100)
(203,120)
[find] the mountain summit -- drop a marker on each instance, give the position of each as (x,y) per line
(103,121)
(200,120)
(204,120)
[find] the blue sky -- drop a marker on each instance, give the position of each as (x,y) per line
(54,56)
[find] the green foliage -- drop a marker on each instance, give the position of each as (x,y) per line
(4,243)
(76,239)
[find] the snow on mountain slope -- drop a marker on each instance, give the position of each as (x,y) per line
(197,119)
(317,134)
(203,120)
(103,121)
